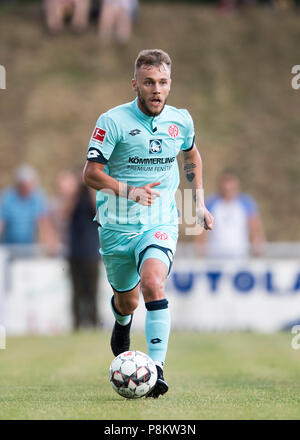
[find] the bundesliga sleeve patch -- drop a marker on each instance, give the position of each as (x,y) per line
(99,135)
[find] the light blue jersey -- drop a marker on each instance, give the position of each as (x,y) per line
(138,149)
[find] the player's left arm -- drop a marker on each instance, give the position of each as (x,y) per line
(192,167)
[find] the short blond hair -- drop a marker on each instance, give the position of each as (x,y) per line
(152,57)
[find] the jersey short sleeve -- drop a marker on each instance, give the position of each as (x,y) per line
(103,141)
(211,201)
(189,131)
(249,204)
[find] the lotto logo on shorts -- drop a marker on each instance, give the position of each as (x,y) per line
(161,235)
(173,131)
(99,135)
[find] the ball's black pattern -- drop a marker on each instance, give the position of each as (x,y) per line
(132,374)
(122,380)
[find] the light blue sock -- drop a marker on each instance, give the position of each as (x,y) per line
(121,319)
(157,330)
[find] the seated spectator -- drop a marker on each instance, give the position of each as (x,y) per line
(115,20)
(58,11)
(233,5)
(238,230)
(227,5)
(24,216)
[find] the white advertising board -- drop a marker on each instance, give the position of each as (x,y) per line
(256,295)
(39,299)
(3,259)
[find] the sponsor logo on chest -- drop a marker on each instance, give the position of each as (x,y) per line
(155,146)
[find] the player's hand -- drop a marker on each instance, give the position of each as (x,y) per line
(204,218)
(144,195)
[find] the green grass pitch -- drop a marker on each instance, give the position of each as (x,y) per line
(210,375)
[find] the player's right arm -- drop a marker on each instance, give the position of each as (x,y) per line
(104,139)
(95,177)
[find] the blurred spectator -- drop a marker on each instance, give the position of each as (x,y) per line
(238,229)
(84,258)
(115,20)
(62,206)
(58,11)
(280,5)
(24,213)
(227,5)
(232,5)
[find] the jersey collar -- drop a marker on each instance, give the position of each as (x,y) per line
(142,115)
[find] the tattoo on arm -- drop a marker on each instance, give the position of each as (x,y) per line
(188,167)
(190,176)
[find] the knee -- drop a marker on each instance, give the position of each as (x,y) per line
(153,287)
(127,307)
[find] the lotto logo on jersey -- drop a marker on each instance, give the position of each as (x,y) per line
(155,146)
(161,235)
(99,135)
(173,131)
(93,154)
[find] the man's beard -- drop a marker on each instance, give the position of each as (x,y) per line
(145,109)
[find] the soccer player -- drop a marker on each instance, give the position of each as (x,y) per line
(131,162)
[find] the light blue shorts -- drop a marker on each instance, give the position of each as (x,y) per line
(124,253)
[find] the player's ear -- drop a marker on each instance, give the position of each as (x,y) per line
(134,85)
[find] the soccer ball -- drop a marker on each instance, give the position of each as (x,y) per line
(132,374)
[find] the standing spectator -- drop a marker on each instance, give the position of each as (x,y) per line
(58,11)
(62,207)
(115,20)
(238,230)
(24,215)
(84,258)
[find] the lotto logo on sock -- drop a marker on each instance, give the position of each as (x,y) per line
(161,235)
(99,135)
(156,341)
